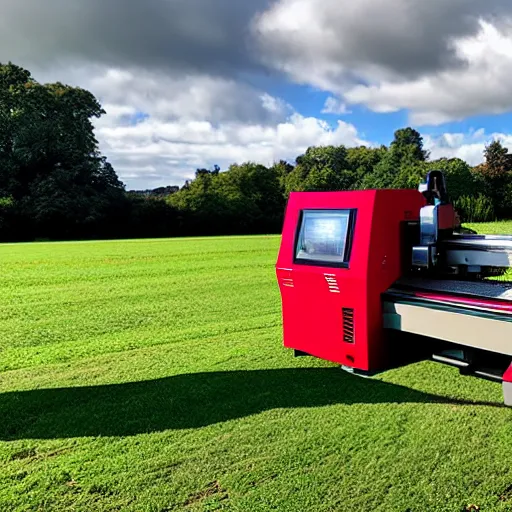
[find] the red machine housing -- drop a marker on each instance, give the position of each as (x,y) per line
(333,311)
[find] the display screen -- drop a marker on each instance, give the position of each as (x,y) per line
(323,236)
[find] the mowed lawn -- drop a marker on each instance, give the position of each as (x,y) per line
(150,376)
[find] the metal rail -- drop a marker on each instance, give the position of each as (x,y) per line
(494,290)
(477,251)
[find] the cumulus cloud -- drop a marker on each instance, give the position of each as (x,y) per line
(172,76)
(398,36)
(171,96)
(166,152)
(468,146)
(481,86)
(334,106)
(177,77)
(441,60)
(158,129)
(211,99)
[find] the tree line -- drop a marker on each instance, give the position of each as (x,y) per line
(55,184)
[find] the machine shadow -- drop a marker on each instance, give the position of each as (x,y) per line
(189,401)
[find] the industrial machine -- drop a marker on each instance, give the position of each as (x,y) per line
(371,279)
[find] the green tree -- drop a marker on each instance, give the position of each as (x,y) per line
(494,177)
(402,166)
(321,168)
(247,198)
(282,170)
(50,164)
(407,145)
(150,216)
(363,161)
(460,180)
(498,161)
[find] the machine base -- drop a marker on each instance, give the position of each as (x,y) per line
(359,373)
(471,362)
(480,364)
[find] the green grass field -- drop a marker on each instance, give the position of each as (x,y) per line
(150,376)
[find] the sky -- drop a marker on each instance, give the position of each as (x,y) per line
(188,84)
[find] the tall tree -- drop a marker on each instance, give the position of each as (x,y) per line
(460,181)
(282,170)
(321,168)
(408,144)
(498,161)
(494,177)
(363,160)
(50,164)
(402,165)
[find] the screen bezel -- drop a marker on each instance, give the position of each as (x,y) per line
(345,263)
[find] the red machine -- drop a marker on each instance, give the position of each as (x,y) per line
(361,271)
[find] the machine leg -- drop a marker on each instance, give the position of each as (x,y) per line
(359,373)
(507,386)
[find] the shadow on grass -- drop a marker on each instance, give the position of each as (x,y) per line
(189,401)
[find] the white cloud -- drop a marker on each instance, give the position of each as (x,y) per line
(482,86)
(442,61)
(188,97)
(158,128)
(334,106)
(466,146)
(172,76)
(166,152)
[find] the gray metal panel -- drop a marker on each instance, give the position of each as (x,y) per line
(485,251)
(478,258)
(507,393)
(428,225)
(449,325)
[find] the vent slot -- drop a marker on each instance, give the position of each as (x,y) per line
(348,325)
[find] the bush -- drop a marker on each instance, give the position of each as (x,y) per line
(475,208)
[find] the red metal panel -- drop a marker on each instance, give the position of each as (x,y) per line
(446,217)
(507,376)
(314,296)
(313,302)
(386,264)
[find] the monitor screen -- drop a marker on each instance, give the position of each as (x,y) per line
(323,236)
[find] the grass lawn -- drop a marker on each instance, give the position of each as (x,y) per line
(150,376)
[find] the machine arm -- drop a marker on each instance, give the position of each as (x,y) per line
(442,251)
